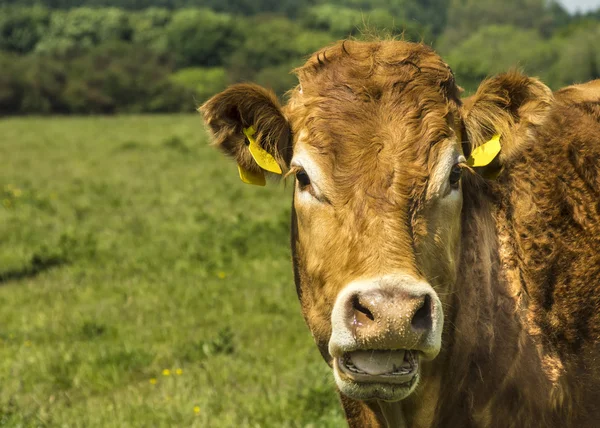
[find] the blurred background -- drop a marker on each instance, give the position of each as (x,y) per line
(141,283)
(116,56)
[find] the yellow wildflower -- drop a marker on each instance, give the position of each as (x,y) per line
(166,372)
(17,193)
(153,381)
(221,275)
(196,409)
(27,343)
(179,372)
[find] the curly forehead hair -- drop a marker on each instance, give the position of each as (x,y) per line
(372,68)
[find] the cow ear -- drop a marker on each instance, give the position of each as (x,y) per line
(510,106)
(246,122)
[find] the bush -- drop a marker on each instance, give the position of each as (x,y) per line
(80,29)
(124,79)
(578,57)
(45,80)
(201,37)
(149,29)
(205,82)
(278,78)
(338,20)
(273,42)
(11,84)
(22,28)
(114,78)
(495,49)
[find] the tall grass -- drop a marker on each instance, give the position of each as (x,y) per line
(142,284)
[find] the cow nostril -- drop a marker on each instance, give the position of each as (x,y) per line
(360,312)
(422,318)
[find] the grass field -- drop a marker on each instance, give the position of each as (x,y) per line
(142,284)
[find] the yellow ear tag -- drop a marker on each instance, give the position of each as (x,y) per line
(260,155)
(250,177)
(485,154)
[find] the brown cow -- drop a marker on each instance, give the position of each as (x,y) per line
(441,295)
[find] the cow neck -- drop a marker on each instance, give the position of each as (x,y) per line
(486,349)
(488,353)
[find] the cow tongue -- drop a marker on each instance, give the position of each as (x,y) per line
(377,362)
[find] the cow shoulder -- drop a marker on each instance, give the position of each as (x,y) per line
(585,97)
(550,193)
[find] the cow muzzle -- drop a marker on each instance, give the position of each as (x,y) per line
(382,329)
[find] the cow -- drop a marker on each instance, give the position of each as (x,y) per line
(446,252)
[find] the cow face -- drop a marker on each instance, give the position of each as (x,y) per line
(372,137)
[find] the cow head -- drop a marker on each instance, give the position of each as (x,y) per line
(376,136)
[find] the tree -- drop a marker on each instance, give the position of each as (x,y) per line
(149,29)
(205,82)
(80,29)
(201,37)
(465,17)
(273,42)
(290,8)
(421,18)
(495,49)
(22,28)
(121,78)
(578,57)
(11,84)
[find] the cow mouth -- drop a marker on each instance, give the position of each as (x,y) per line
(398,367)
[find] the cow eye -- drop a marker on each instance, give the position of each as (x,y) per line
(303,180)
(455,175)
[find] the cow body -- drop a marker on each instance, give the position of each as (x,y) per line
(439,299)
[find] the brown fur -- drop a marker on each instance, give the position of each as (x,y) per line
(242,106)
(520,286)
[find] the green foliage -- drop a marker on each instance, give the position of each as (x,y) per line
(278,78)
(340,21)
(578,57)
(271,43)
(205,82)
(201,37)
(466,17)
(495,49)
(11,84)
(267,42)
(44,81)
(80,29)
(245,7)
(206,44)
(419,19)
(118,78)
(149,29)
(111,78)
(22,28)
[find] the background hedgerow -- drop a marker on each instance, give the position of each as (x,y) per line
(109,56)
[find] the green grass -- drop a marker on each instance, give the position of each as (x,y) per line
(127,247)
